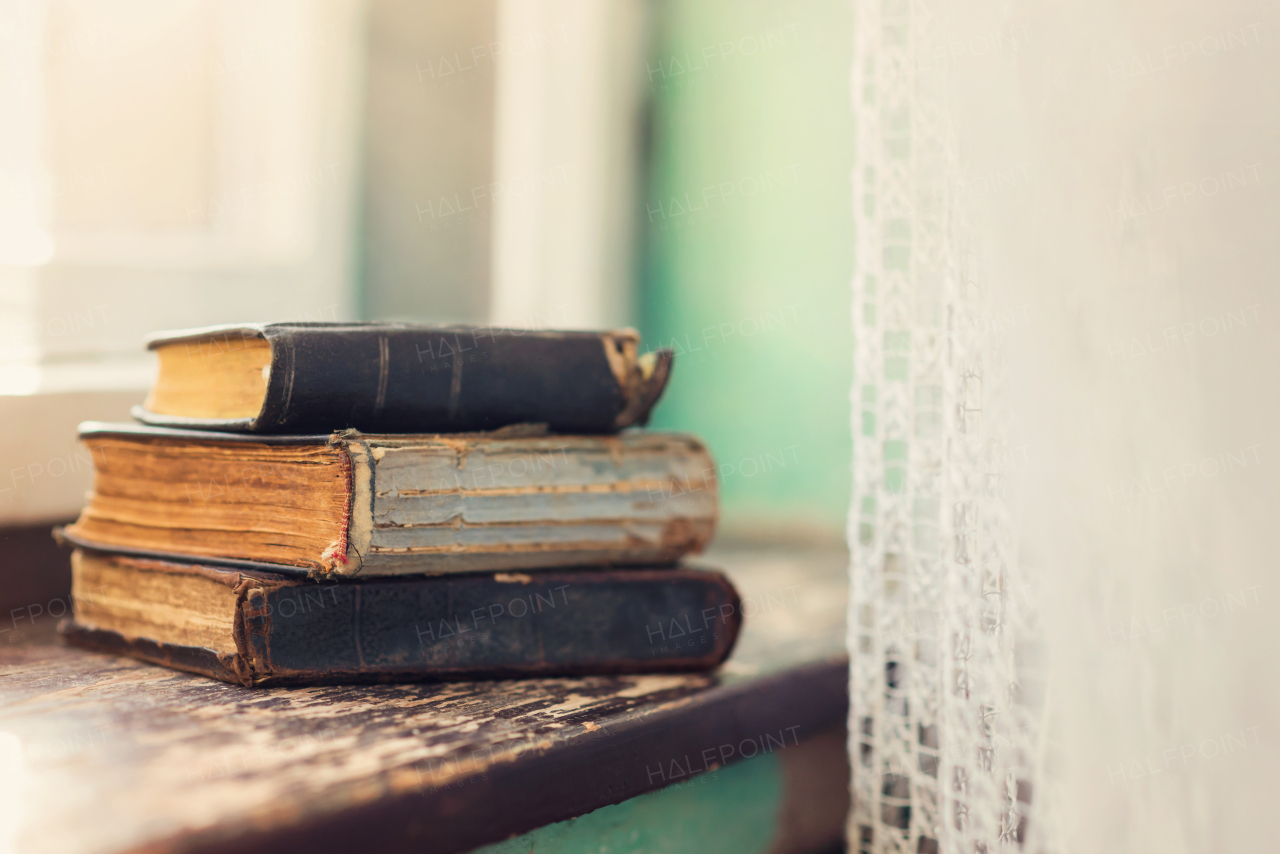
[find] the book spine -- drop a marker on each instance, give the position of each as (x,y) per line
(535,624)
(487,505)
(387,380)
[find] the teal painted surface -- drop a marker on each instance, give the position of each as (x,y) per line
(729,811)
(748,258)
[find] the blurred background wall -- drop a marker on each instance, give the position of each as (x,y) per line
(746,250)
(164,165)
(676,166)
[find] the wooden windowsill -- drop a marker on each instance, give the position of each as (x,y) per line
(117,755)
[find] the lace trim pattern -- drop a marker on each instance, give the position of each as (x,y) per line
(944,740)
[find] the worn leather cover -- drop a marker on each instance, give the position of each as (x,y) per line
(290,631)
(410,378)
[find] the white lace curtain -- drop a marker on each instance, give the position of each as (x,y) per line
(1060,211)
(943,740)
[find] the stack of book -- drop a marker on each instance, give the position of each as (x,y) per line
(305,503)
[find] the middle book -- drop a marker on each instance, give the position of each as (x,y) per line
(352,503)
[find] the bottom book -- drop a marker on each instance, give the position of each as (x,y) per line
(261,628)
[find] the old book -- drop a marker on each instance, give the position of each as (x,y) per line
(261,628)
(351,503)
(401,378)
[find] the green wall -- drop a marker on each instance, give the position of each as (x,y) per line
(748,249)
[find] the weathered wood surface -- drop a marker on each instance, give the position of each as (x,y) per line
(102,754)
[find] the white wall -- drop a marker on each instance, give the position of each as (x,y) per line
(567,153)
(428,159)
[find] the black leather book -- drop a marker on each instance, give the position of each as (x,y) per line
(260,628)
(401,378)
